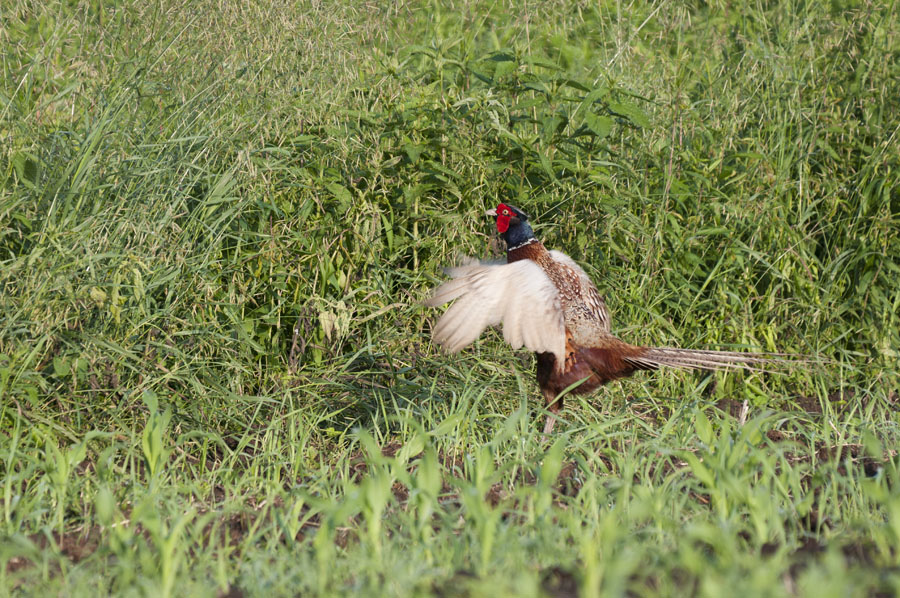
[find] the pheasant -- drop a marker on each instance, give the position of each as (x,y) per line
(547,303)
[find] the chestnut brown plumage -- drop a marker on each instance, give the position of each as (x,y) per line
(547,303)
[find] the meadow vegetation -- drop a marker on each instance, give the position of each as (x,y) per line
(218,220)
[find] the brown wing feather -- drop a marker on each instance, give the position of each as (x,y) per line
(576,287)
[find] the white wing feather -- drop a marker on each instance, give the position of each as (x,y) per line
(518,295)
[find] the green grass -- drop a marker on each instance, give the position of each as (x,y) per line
(218,221)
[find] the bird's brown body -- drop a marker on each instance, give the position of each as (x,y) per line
(547,303)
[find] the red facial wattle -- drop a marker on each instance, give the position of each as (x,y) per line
(503,216)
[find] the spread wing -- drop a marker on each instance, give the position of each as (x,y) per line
(587,299)
(518,295)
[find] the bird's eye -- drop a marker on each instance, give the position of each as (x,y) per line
(506,212)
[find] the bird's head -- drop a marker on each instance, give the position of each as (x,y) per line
(507,216)
(512,224)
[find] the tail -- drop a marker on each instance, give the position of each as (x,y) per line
(651,358)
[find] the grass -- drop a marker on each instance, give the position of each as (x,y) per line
(218,221)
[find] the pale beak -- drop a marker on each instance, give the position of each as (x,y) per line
(491,212)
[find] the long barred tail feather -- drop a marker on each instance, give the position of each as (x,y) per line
(653,357)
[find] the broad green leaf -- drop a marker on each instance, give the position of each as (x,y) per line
(703,427)
(601,126)
(631,112)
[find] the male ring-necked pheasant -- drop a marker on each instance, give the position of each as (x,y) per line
(547,303)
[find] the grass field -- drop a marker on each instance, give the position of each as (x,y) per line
(218,220)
